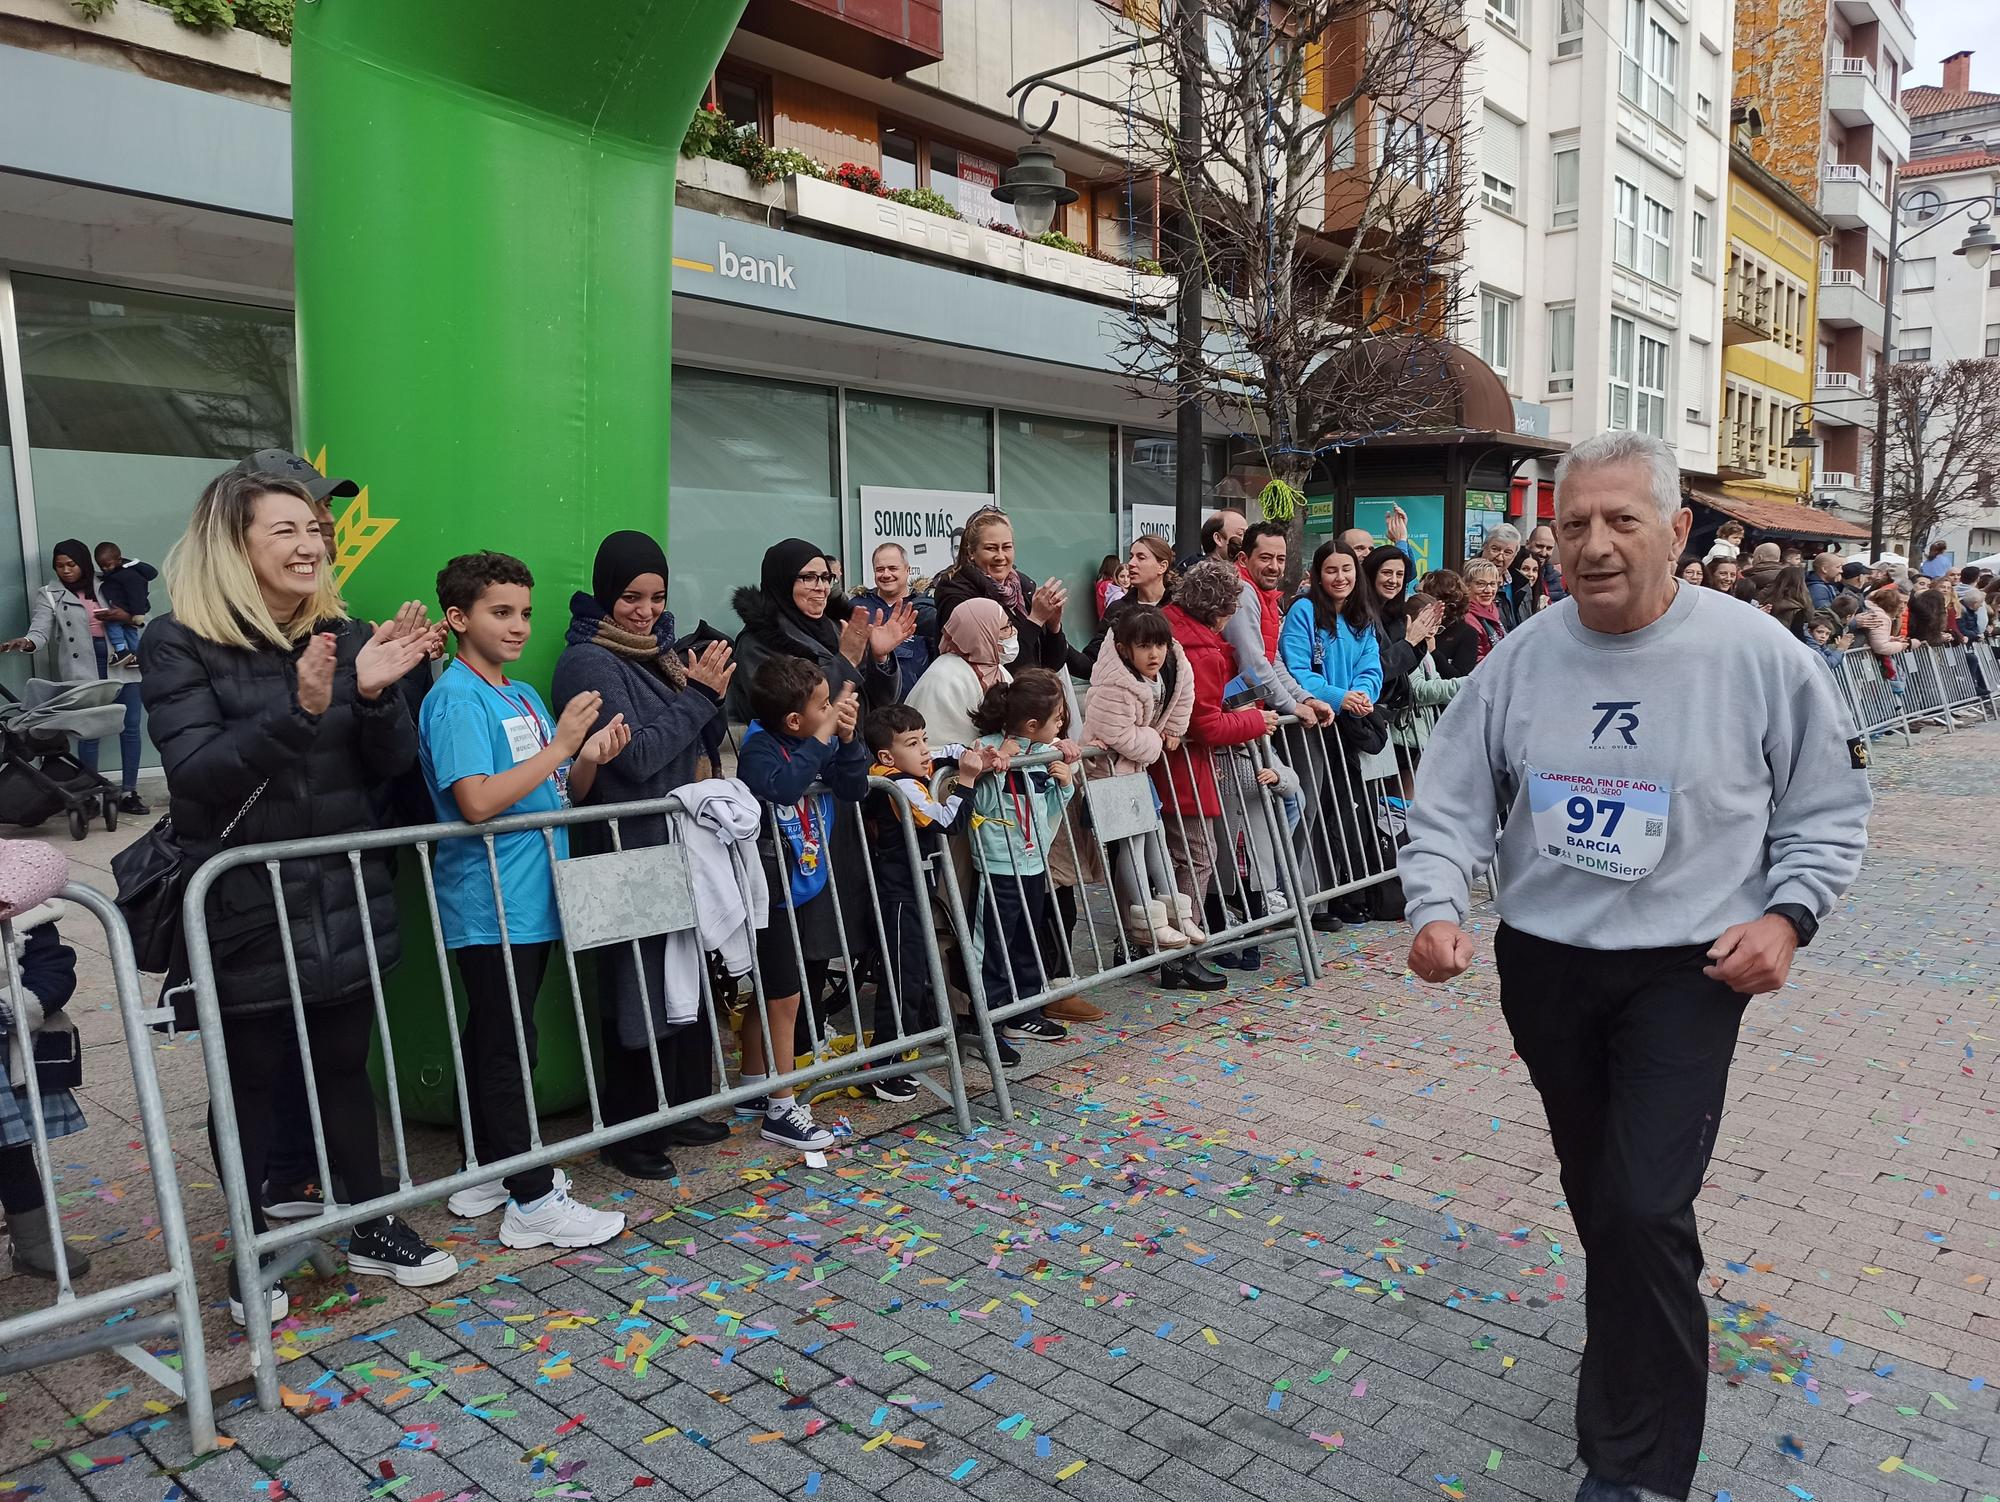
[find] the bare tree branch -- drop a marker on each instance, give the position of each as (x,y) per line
(1943,450)
(1332,185)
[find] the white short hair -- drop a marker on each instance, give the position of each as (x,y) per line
(1503,532)
(1624,447)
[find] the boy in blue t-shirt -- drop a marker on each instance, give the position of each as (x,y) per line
(489,747)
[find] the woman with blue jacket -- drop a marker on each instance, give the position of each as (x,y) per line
(1328,640)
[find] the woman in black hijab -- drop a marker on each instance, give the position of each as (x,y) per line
(621,644)
(793,611)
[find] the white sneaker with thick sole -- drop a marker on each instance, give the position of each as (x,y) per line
(557,1220)
(484,1199)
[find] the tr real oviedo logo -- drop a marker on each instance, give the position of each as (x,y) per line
(1618,718)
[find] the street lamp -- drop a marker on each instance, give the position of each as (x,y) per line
(1977,247)
(1036,188)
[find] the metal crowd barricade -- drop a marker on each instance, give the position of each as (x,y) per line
(37,1337)
(621,896)
(1119,841)
(1877,702)
(1959,676)
(1354,802)
(1926,696)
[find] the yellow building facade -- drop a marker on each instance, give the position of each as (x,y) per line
(1769,339)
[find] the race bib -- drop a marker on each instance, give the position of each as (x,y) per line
(523,738)
(1608,826)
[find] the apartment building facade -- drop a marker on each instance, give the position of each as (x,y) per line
(1948,309)
(1768,336)
(1824,86)
(1596,255)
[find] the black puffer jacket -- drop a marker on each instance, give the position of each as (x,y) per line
(225,719)
(767,633)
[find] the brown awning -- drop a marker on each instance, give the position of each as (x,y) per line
(1786,518)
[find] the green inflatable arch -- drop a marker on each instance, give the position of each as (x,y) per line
(484,196)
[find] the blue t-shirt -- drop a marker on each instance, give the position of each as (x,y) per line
(470,728)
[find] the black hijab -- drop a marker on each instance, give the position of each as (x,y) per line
(73,548)
(783,563)
(621,558)
(1391,613)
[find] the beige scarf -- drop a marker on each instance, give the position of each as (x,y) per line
(638,648)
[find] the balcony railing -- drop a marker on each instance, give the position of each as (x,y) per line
(1831,278)
(1838,479)
(1837,380)
(1859,65)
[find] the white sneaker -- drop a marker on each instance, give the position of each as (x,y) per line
(484,1199)
(1276,904)
(557,1220)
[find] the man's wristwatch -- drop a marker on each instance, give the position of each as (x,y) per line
(1804,924)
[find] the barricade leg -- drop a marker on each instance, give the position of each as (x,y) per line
(34,1338)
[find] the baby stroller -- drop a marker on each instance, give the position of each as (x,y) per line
(39,771)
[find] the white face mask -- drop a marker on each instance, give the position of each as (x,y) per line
(1010,649)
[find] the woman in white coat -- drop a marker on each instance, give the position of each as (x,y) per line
(68,620)
(974,649)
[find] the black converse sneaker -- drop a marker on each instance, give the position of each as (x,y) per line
(276,1298)
(1029,1028)
(389,1248)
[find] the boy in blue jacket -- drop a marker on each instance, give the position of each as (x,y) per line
(800,736)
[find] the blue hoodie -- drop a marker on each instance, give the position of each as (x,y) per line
(1330,664)
(779,769)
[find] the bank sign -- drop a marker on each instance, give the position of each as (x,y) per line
(764,271)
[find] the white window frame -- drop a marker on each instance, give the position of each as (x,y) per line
(1620,370)
(1993,341)
(1569,28)
(1698,234)
(1656,242)
(1625,223)
(1496,193)
(1505,14)
(1663,74)
(1698,351)
(1655,382)
(1912,352)
(1563,214)
(1631,54)
(1919,275)
(1562,349)
(1499,316)
(1340,140)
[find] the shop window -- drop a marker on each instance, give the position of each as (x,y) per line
(1058,484)
(1124,219)
(744,98)
(753,460)
(965,179)
(136,400)
(902,158)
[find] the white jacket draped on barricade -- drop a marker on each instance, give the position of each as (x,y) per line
(716,824)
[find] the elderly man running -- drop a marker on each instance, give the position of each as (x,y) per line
(1678,804)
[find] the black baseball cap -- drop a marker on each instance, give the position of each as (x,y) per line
(1853,570)
(282,465)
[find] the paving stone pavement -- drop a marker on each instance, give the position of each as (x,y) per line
(1281,1243)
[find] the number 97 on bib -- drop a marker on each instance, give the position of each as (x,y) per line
(1607,826)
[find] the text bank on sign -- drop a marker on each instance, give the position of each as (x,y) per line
(1608,826)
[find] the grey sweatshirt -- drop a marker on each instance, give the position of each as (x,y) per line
(1244,631)
(1655,787)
